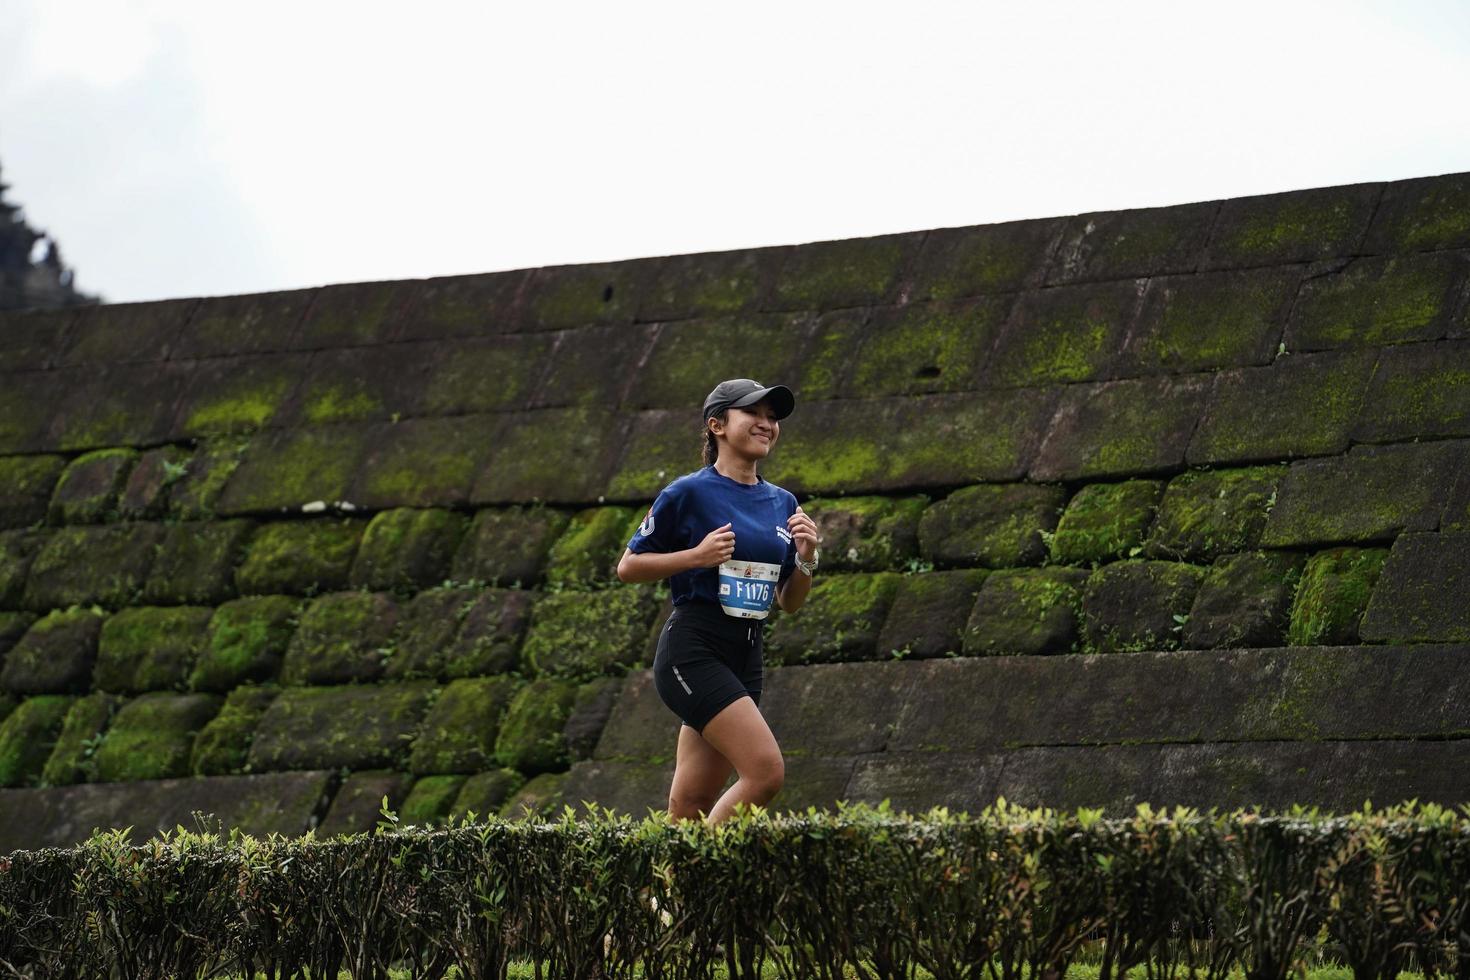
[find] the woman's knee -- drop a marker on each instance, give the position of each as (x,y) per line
(766,775)
(689,806)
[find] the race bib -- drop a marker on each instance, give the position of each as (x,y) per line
(747,588)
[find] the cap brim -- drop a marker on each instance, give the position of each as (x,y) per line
(782,400)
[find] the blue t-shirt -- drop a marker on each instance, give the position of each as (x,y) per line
(765,553)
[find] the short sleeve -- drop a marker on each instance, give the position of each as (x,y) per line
(659,530)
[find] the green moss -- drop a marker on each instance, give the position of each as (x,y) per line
(343,638)
(995,525)
(56,654)
(27,737)
(72,759)
(584,634)
(1376,301)
(508,546)
(1286,225)
(87,492)
(26,484)
(587,552)
(287,468)
(867,533)
(460,632)
(336,403)
(196,493)
(531,737)
(540,797)
(152,736)
(1206,513)
(245,642)
(841,273)
(407,549)
(927,347)
(82,565)
(841,620)
(353,726)
(928,615)
(17,550)
(1139,605)
(430,800)
(1332,595)
(483,794)
(1105,521)
(307,557)
(222,747)
(1026,611)
(150,648)
(252,404)
(196,562)
(459,732)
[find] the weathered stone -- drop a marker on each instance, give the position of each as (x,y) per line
(835,709)
(424,462)
(152,736)
(663,445)
(508,546)
(767,346)
(921,348)
(150,648)
(1121,428)
(80,565)
(623,787)
(195,495)
(285,469)
(1419,391)
(1456,515)
(1332,595)
(1394,489)
(1138,605)
(557,297)
(73,758)
(707,283)
(13,626)
(1210,321)
(355,726)
(35,339)
(360,384)
(584,634)
(460,632)
(1390,300)
(27,736)
(1297,226)
(593,366)
(26,484)
(56,654)
(814,781)
(867,534)
(145,495)
(308,556)
(827,361)
(959,262)
(851,272)
(343,638)
(25,415)
(589,715)
(222,747)
(407,549)
(840,621)
(1245,601)
(558,455)
(88,490)
(1423,592)
(587,552)
(484,793)
(1135,242)
(464,306)
(640,728)
(356,806)
(458,735)
(911,444)
(114,333)
(237,394)
(1070,333)
(18,549)
(1025,611)
(996,525)
(928,615)
(245,643)
(430,799)
(915,782)
(455,384)
(531,736)
(1207,513)
(1104,521)
(541,796)
(1302,405)
(1421,214)
(196,562)
(252,324)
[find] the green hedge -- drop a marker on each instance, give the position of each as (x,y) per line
(1006,894)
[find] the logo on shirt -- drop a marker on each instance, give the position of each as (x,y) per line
(783,534)
(646,528)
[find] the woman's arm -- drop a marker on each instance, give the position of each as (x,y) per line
(650,566)
(791,594)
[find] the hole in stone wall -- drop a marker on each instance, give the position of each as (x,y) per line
(606,294)
(930,371)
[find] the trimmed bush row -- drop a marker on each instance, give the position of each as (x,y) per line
(1004,894)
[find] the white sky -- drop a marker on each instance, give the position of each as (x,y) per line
(189,147)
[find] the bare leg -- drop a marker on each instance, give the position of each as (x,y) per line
(699,775)
(739,733)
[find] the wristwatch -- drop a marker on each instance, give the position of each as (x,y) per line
(809,566)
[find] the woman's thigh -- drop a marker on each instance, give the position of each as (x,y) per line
(700,771)
(739,734)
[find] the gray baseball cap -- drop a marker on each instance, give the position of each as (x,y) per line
(743,392)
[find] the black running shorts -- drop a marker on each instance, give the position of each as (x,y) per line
(705,660)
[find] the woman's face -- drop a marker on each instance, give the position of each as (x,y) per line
(751,431)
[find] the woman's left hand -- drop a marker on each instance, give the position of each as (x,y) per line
(804,530)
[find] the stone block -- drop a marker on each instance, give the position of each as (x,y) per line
(681,370)
(429,800)
(867,534)
(463,306)
(1423,591)
(624,787)
(1066,334)
(663,445)
(1104,521)
(1297,226)
(424,462)
(56,654)
(407,549)
(508,546)
(460,632)
(1121,428)
(1419,391)
(360,384)
(18,549)
(1210,321)
(88,490)
(556,455)
(1208,513)
(915,782)
(923,348)
(238,394)
(484,793)
(589,715)
(25,415)
(1332,595)
(640,728)
(1025,611)
(145,494)
(929,612)
(28,735)
(1068,777)
(840,621)
(1392,299)
(1456,516)
(356,807)
(286,469)
(1138,605)
(107,564)
(1132,243)
(910,444)
(354,726)
(1245,601)
(196,493)
(814,781)
(115,333)
(223,326)
(558,297)
(586,634)
(343,638)
(594,367)
(458,735)
(245,642)
(587,552)
(35,339)
(1422,214)
(850,272)
(828,710)
(539,798)
(1393,489)
(73,758)
(26,485)
(152,736)
(196,562)
(222,746)
(709,283)
(13,626)
(150,648)
(995,525)
(983,259)
(307,556)
(455,382)
(531,737)
(827,361)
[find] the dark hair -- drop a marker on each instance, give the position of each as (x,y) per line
(709,449)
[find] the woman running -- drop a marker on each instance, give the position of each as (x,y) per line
(730,543)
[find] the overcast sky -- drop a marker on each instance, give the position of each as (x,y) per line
(196,148)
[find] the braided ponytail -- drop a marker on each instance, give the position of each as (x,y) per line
(709,448)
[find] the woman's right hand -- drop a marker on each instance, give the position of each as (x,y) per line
(717,547)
